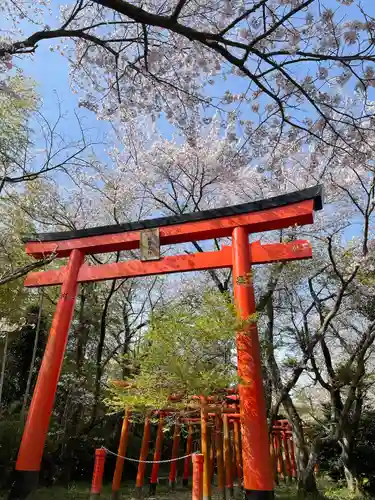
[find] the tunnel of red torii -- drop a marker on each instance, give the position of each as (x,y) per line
(237,222)
(212,425)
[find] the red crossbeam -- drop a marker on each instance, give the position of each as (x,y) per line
(260,254)
(265,220)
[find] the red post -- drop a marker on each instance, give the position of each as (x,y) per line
(205,451)
(257,467)
(36,427)
(292,456)
(117,476)
(275,456)
(232,450)
(280,459)
(97,477)
(143,456)
(157,456)
(212,453)
(228,463)
(187,461)
(288,465)
(220,456)
(175,447)
(237,450)
(198,462)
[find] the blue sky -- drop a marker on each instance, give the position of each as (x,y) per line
(50,71)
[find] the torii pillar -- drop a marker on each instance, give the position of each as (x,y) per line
(257,465)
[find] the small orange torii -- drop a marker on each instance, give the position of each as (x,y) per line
(218,418)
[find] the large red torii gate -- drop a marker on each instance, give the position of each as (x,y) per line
(235,221)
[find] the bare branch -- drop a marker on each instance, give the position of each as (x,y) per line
(7,277)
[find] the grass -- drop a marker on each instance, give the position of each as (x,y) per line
(81,492)
(328,489)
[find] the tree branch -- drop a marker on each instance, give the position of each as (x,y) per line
(22,271)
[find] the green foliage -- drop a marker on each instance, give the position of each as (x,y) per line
(340,494)
(17,101)
(363,455)
(10,432)
(327,489)
(290,362)
(345,374)
(188,350)
(73,492)
(20,355)
(13,295)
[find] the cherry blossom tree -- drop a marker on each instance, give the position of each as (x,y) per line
(294,62)
(317,328)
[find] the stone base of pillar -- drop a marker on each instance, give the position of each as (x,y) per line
(259,495)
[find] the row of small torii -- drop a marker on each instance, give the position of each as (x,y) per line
(218,420)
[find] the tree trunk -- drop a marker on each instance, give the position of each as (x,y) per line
(68,455)
(127,340)
(99,351)
(307,487)
(306,459)
(2,377)
(82,332)
(351,480)
(267,383)
(75,412)
(33,357)
(346,444)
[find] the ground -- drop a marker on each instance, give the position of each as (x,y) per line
(81,492)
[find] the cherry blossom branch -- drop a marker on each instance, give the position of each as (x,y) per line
(320,56)
(280,22)
(177,11)
(239,54)
(246,14)
(32,41)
